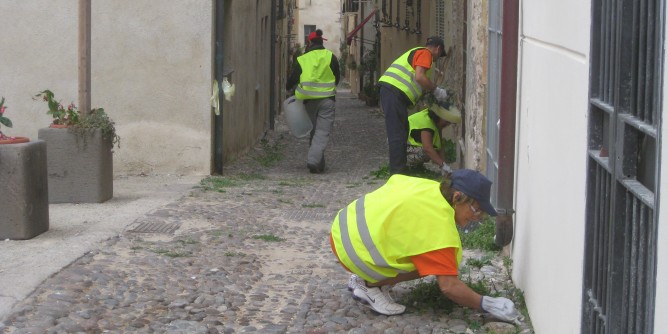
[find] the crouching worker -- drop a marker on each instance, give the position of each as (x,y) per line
(406,229)
(424,135)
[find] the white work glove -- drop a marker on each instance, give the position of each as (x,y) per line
(445,169)
(501,308)
(440,94)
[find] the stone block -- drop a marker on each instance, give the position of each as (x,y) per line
(24,202)
(79,165)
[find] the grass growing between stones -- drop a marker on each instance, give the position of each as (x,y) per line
(251,176)
(383,172)
(427,296)
(480,237)
(170,253)
(271,153)
(268,238)
(312,205)
(217,183)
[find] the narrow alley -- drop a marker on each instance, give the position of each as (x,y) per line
(246,253)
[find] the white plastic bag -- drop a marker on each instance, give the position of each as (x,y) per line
(296,117)
(228,89)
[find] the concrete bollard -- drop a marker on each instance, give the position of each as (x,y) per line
(24,203)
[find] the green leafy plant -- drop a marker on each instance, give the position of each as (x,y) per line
(424,296)
(450,150)
(383,172)
(71,117)
(481,237)
(4,120)
(61,115)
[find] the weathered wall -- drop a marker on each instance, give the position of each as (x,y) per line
(476,85)
(246,45)
(325,15)
(452,68)
(152,69)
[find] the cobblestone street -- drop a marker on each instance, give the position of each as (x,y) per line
(247,255)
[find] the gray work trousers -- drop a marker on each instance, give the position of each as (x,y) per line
(396,124)
(321,113)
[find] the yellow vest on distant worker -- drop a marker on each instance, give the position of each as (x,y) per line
(317,80)
(376,235)
(421,120)
(401,75)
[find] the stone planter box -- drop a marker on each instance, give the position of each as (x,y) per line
(80,166)
(24,208)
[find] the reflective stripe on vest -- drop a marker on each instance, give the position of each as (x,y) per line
(317,80)
(419,121)
(401,75)
(376,235)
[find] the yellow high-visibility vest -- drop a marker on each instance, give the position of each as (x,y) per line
(317,80)
(376,235)
(401,75)
(421,120)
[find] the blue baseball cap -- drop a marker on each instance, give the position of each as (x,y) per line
(474,185)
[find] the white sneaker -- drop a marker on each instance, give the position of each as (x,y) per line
(377,300)
(355,281)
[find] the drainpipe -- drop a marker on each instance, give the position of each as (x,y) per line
(360,52)
(272,67)
(507,115)
(219,75)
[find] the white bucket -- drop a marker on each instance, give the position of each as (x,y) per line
(296,117)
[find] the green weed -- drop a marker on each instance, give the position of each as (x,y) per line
(475,325)
(312,205)
(170,253)
(422,172)
(479,263)
(217,183)
(425,296)
(268,238)
(271,154)
(251,176)
(188,241)
(481,237)
(450,151)
(234,254)
(383,173)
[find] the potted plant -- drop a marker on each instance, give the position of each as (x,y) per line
(80,147)
(24,212)
(4,139)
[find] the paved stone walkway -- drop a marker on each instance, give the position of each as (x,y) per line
(248,255)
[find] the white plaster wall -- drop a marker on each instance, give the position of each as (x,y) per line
(661,307)
(551,164)
(151,72)
(325,15)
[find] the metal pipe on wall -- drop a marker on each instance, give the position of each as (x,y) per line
(219,75)
(272,67)
(507,115)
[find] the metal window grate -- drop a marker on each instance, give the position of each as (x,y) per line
(440,18)
(624,120)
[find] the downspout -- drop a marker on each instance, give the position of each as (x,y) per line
(272,67)
(360,52)
(219,75)
(507,116)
